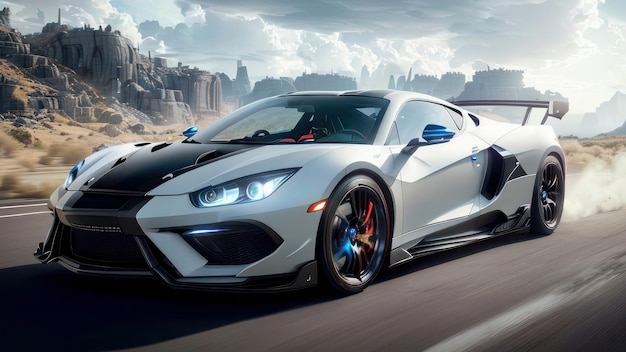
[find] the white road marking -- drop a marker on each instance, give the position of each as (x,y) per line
(22,206)
(25,214)
(568,293)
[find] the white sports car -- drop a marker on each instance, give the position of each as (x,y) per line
(308,186)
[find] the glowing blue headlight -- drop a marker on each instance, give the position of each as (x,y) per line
(243,190)
(73,174)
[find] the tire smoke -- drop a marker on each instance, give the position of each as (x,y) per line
(599,188)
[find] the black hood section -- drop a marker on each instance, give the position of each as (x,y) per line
(154,164)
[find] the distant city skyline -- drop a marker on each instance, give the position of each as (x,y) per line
(574,47)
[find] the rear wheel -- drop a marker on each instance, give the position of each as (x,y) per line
(548,196)
(354,235)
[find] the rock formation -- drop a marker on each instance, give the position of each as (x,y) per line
(4,17)
(7,101)
(110,62)
(10,40)
(99,55)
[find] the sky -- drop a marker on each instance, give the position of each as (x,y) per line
(574,47)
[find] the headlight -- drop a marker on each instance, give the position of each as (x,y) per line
(74,172)
(243,190)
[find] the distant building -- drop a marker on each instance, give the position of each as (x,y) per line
(503,84)
(392,82)
(364,82)
(496,84)
(450,85)
(424,84)
(269,87)
(241,85)
(316,81)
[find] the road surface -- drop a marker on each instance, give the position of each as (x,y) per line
(563,292)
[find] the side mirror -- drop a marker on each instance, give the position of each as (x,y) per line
(191,131)
(434,134)
(412,146)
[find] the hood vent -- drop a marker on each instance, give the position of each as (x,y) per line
(119,161)
(207,156)
(160,146)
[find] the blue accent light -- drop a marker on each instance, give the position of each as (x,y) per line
(73,174)
(347,247)
(437,134)
(191,131)
(352,233)
(203,231)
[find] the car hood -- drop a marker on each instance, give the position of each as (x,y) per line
(176,168)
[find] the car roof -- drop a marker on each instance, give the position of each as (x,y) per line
(374,93)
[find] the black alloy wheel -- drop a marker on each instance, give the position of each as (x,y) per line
(548,197)
(354,235)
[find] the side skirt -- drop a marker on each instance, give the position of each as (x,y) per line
(484,227)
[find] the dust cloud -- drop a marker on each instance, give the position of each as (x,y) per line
(599,187)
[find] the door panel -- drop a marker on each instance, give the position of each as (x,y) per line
(442,181)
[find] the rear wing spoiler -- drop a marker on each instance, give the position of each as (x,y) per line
(553,108)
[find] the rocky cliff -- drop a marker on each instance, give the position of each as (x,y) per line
(10,40)
(102,56)
(110,62)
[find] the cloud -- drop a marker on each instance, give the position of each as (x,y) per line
(75,13)
(556,42)
(529,34)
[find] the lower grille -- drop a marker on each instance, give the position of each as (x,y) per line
(234,243)
(106,248)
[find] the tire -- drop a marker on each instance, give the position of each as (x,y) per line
(354,235)
(548,197)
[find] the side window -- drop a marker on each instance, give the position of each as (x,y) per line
(394,137)
(456,116)
(415,115)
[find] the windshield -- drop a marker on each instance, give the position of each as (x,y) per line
(299,119)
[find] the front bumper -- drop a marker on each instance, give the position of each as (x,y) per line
(110,242)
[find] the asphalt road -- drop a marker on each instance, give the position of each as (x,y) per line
(563,292)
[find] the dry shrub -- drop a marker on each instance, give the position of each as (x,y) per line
(585,151)
(13,186)
(28,164)
(9,182)
(27,190)
(69,153)
(8,145)
(571,146)
(581,158)
(22,135)
(46,159)
(56,149)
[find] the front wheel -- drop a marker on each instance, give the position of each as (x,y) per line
(354,235)
(548,196)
